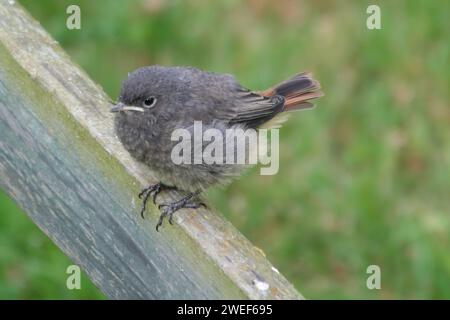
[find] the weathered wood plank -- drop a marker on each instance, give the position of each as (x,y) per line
(60,160)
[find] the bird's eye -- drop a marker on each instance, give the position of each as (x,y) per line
(149,102)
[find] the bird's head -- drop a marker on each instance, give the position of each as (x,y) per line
(140,94)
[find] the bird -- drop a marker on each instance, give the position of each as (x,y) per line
(154,101)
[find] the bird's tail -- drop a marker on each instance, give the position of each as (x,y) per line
(298,91)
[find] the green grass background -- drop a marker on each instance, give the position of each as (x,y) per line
(364,178)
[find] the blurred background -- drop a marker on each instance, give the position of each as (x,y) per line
(364,178)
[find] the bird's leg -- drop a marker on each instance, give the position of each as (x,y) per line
(170,208)
(152,190)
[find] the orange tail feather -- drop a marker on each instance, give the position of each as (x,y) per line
(298,91)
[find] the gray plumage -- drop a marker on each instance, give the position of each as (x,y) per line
(182,95)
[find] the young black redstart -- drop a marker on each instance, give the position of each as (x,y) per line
(155,101)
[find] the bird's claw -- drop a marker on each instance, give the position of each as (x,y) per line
(152,190)
(168,209)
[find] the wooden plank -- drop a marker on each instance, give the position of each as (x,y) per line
(60,160)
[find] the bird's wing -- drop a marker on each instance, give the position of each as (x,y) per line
(221,97)
(252,109)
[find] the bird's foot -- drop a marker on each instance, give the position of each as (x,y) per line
(152,190)
(170,208)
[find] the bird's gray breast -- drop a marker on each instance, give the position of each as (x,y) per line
(147,142)
(154,146)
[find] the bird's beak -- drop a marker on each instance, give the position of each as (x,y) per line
(123,107)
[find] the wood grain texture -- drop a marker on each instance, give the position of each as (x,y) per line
(61,161)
